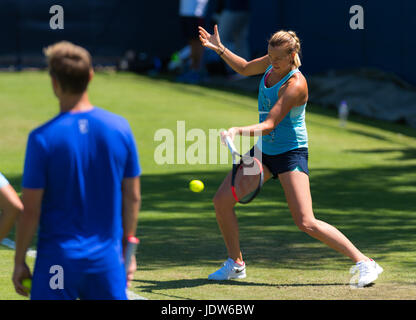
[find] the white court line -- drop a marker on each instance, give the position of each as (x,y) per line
(32,253)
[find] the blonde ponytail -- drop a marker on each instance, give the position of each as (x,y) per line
(296,61)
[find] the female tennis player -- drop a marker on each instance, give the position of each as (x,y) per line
(283,95)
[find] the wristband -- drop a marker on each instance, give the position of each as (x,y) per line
(223,50)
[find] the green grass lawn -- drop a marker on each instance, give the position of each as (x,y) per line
(363,181)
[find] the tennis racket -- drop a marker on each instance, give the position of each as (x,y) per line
(247,175)
(132,243)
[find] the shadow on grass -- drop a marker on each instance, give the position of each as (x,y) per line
(406,153)
(152,286)
(373,207)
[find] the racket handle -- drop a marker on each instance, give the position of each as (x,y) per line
(230,144)
(132,243)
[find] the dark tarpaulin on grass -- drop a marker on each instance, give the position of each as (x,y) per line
(369,92)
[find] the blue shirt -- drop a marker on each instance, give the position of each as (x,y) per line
(291,132)
(80,160)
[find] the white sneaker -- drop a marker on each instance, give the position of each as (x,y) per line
(369,272)
(229,270)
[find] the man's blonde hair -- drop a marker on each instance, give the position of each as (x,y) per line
(291,41)
(70,65)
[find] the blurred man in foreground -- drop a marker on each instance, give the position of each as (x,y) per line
(81,186)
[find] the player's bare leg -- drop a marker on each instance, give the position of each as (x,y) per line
(297,191)
(224,204)
(298,196)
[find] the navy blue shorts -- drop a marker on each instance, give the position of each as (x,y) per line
(293,160)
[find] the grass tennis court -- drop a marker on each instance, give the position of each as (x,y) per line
(363,181)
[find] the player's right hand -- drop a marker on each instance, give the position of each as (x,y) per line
(211,41)
(230,133)
(21,271)
(223,134)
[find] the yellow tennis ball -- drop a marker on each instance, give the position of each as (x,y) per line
(196,185)
(27,283)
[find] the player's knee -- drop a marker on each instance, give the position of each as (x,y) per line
(310,226)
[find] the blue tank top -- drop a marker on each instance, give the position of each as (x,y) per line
(291,132)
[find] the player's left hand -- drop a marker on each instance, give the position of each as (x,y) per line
(211,41)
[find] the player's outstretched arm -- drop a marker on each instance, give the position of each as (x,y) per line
(237,63)
(11,207)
